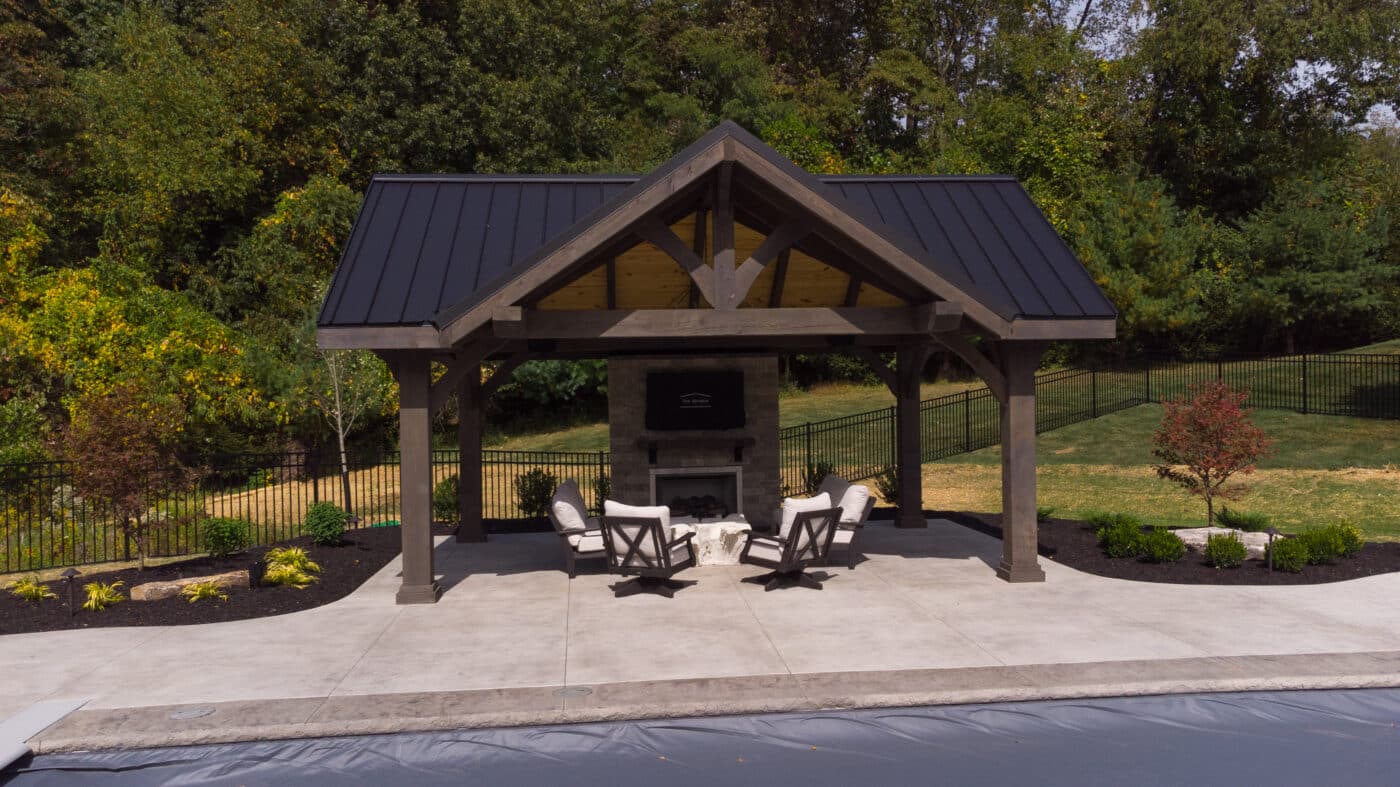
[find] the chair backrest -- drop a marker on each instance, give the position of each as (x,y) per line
(809,540)
(576,512)
(635,542)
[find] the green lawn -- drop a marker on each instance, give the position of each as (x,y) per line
(1324,468)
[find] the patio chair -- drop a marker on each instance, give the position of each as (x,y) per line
(856,503)
(805,544)
(579,533)
(640,546)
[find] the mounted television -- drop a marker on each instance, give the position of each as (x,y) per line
(695,400)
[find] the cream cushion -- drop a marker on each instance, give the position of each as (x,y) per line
(793,506)
(765,549)
(850,498)
(570,512)
(646,547)
(592,542)
(843,536)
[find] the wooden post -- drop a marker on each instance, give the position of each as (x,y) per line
(1019,558)
(470,403)
(726,294)
(416,480)
(909,362)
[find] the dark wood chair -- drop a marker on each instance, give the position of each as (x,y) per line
(640,547)
(851,525)
(579,533)
(807,543)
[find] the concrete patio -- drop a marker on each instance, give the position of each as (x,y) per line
(923,620)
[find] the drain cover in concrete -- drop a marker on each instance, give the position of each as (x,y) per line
(573,691)
(192,713)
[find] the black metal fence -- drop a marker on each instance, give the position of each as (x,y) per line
(43,524)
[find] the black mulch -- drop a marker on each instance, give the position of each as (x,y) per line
(343,568)
(1073,544)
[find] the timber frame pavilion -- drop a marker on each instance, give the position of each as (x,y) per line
(727,249)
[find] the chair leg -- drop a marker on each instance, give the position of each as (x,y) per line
(762,579)
(806,581)
(661,587)
(573,566)
(851,555)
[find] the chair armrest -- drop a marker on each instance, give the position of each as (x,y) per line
(776,539)
(683,539)
(850,525)
(579,531)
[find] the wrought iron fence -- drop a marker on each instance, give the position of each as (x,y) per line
(43,524)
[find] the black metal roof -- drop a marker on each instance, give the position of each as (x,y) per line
(426,247)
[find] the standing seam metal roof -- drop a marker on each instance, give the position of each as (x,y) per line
(426,245)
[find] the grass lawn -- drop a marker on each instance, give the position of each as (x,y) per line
(794,407)
(1324,468)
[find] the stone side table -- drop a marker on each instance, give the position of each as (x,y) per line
(717,542)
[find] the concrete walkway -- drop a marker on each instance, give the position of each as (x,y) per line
(514,641)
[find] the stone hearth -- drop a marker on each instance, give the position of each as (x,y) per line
(749,453)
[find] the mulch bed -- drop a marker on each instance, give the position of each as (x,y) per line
(1073,543)
(343,569)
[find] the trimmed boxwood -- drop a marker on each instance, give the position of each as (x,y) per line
(1225,550)
(325,523)
(1161,545)
(1120,535)
(224,535)
(1289,554)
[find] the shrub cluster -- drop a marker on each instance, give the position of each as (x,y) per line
(1288,554)
(325,523)
(1161,545)
(1329,543)
(198,591)
(30,589)
(224,535)
(533,489)
(290,566)
(101,595)
(445,494)
(1225,550)
(815,473)
(887,482)
(1239,520)
(1120,535)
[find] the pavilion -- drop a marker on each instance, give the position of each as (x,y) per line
(728,249)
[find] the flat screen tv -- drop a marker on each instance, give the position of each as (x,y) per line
(695,400)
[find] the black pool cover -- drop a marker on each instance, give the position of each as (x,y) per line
(1275,738)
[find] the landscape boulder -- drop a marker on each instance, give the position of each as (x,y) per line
(155,591)
(1195,539)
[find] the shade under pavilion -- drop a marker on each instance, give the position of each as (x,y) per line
(727,249)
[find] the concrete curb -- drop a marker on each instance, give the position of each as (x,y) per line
(230,722)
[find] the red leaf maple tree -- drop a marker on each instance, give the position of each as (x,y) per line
(1206,438)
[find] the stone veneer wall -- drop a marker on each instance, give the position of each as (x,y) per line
(631,470)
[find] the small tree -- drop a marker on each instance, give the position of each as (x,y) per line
(121,446)
(355,386)
(1205,439)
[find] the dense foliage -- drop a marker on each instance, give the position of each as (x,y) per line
(1205,439)
(177,177)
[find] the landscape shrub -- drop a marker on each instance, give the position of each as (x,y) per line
(1161,545)
(1225,550)
(1328,543)
(325,523)
(887,483)
(445,494)
(602,490)
(224,535)
(1120,535)
(30,589)
(1289,554)
(1253,522)
(287,575)
(198,591)
(101,595)
(533,489)
(814,474)
(289,566)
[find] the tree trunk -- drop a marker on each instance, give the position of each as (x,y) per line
(1210,510)
(344,471)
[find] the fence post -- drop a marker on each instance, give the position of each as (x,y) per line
(314,460)
(894,442)
(1305,383)
(1094,392)
(1219,370)
(602,473)
(967,420)
(807,431)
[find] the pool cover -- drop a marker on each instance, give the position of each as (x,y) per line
(1276,738)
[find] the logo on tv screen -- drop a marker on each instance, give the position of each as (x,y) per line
(707,399)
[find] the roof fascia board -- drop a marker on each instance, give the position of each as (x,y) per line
(1032,329)
(378,337)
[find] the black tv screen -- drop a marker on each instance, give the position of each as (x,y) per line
(695,400)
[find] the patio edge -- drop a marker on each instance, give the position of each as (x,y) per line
(231,722)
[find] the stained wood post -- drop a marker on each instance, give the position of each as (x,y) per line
(416,480)
(1019,558)
(470,403)
(909,361)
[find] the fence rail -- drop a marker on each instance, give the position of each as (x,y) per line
(43,524)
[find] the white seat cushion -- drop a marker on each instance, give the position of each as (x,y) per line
(764,549)
(592,542)
(646,548)
(679,554)
(843,536)
(793,506)
(853,503)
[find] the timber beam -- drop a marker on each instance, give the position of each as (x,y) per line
(714,323)
(663,237)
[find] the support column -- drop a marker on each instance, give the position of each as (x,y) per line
(416,480)
(1019,558)
(909,362)
(470,403)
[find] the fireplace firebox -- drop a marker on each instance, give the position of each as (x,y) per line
(700,492)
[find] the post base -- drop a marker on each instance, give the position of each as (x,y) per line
(1021,572)
(465,535)
(418,594)
(915,519)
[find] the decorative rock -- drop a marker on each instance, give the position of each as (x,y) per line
(1195,539)
(155,591)
(716,543)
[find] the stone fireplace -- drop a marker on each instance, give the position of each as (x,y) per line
(710,471)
